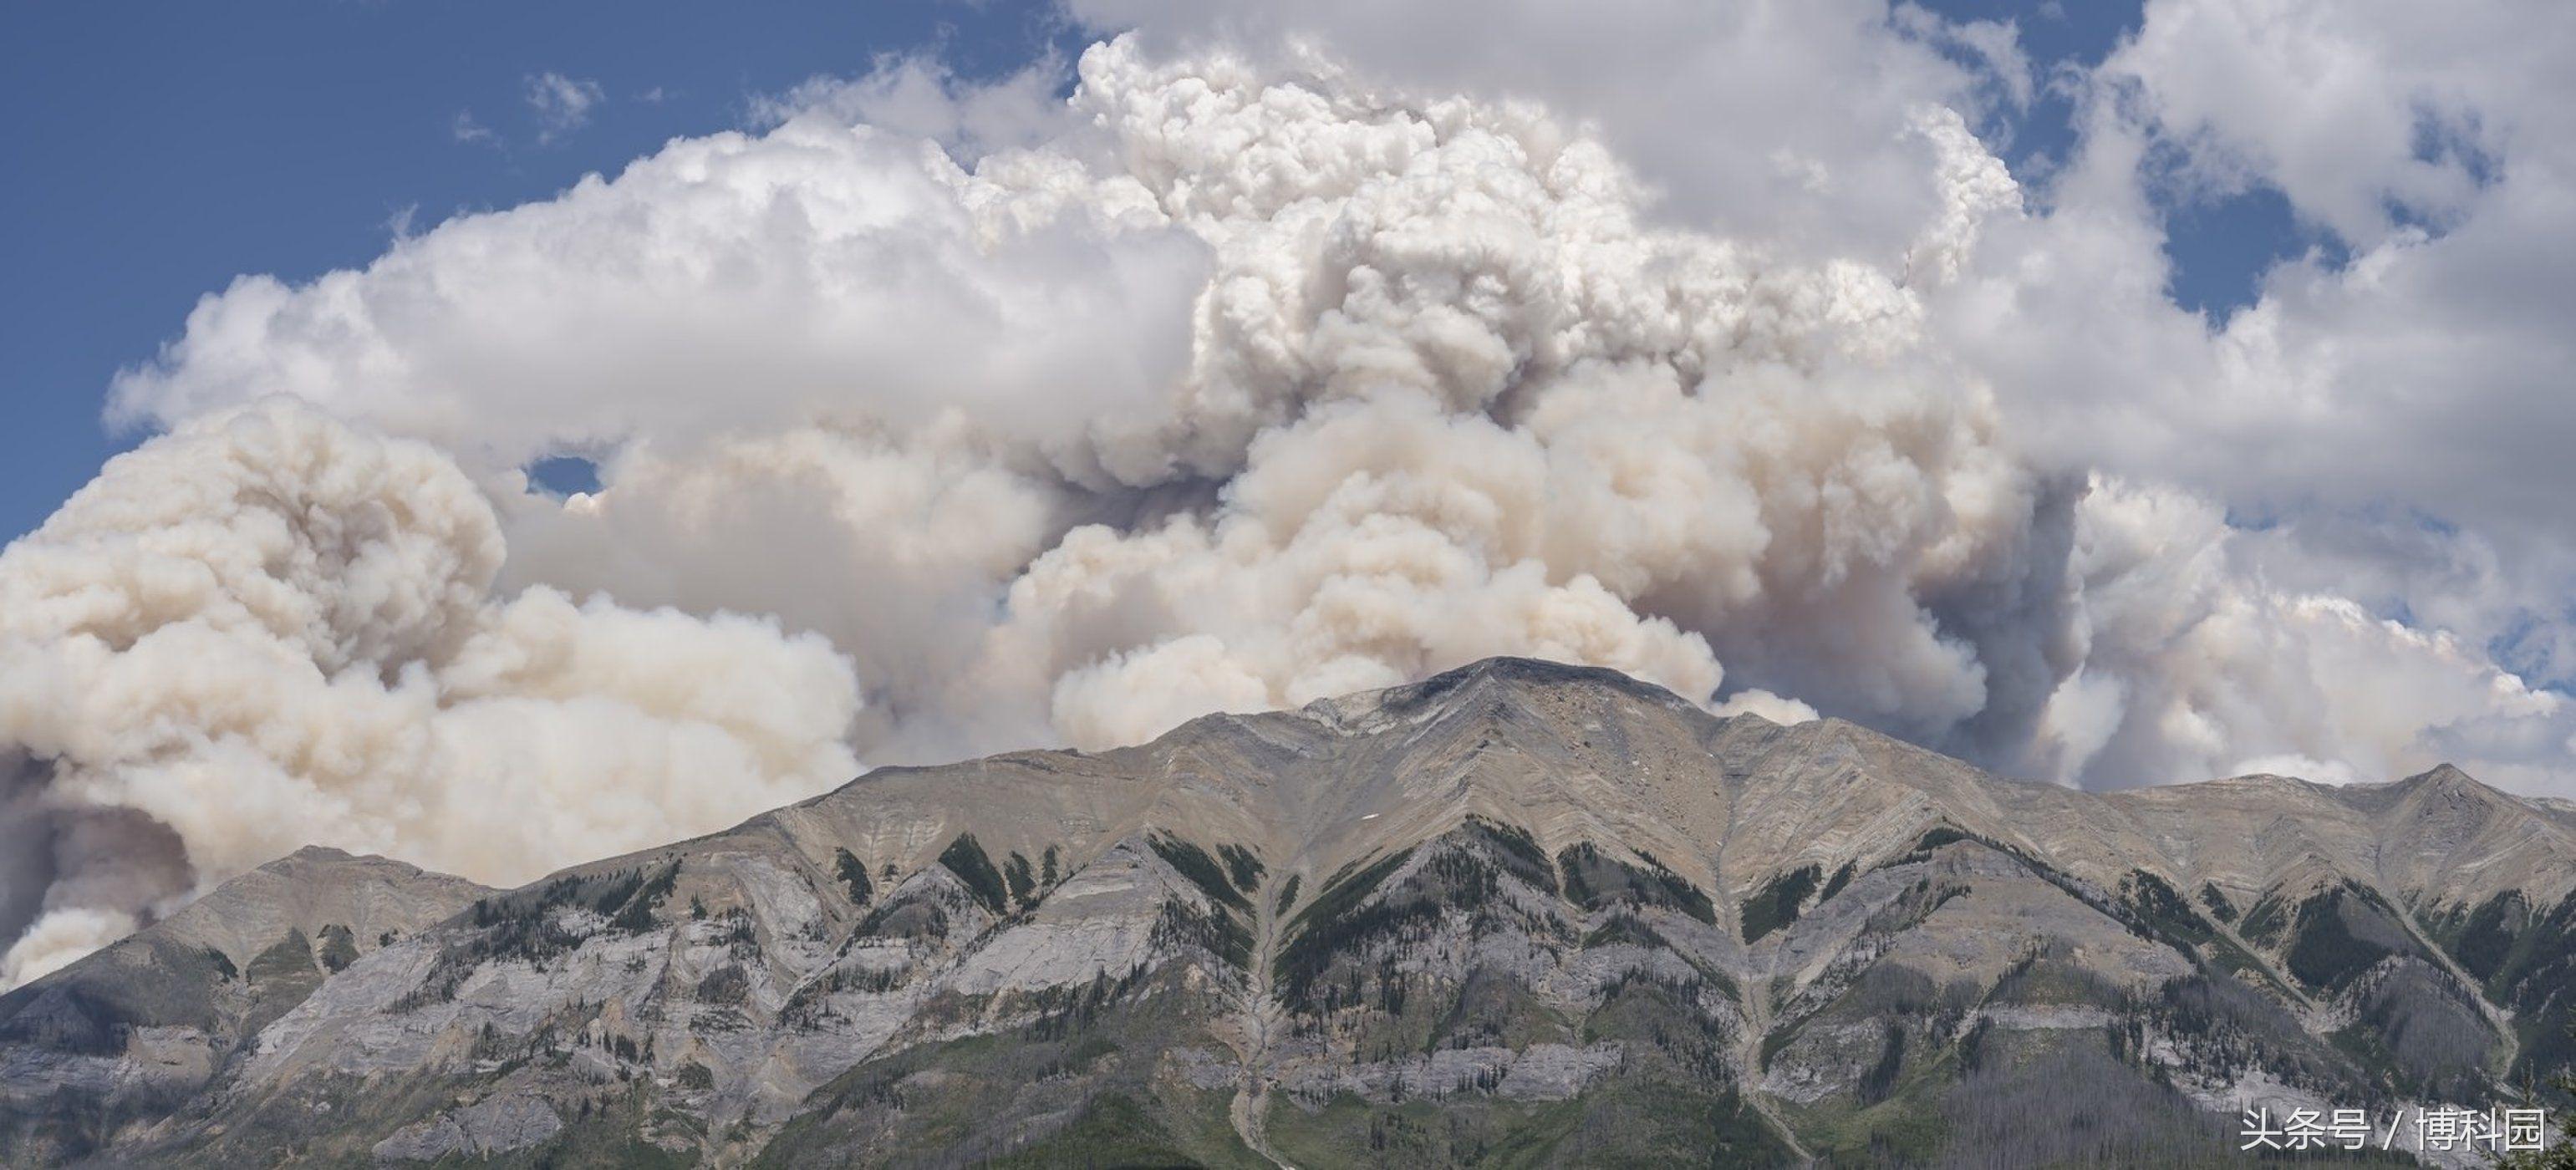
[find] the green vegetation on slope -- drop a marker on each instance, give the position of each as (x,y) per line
(1202,870)
(966,858)
(1776,903)
(854,877)
(1594,880)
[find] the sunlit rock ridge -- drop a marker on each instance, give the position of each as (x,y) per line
(1518,913)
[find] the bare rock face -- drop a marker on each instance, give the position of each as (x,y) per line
(495,1125)
(1519,912)
(155,1018)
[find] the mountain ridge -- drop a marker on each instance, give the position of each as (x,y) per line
(1617,901)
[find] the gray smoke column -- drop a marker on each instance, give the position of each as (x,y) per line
(1225,385)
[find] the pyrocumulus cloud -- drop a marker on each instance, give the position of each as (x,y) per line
(938,419)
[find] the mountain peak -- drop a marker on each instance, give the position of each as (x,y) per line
(1523,674)
(316,870)
(2440,786)
(1515,882)
(2446,776)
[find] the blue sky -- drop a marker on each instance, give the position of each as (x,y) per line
(164,149)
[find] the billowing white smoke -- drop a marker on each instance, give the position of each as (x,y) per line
(1234,386)
(268,629)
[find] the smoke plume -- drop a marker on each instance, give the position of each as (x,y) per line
(1231,383)
(268,629)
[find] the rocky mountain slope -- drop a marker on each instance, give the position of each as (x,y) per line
(1518,914)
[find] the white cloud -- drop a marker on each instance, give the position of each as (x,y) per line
(2365,115)
(466,130)
(1995,44)
(919,97)
(1788,121)
(1460,392)
(728,283)
(2410,395)
(562,104)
